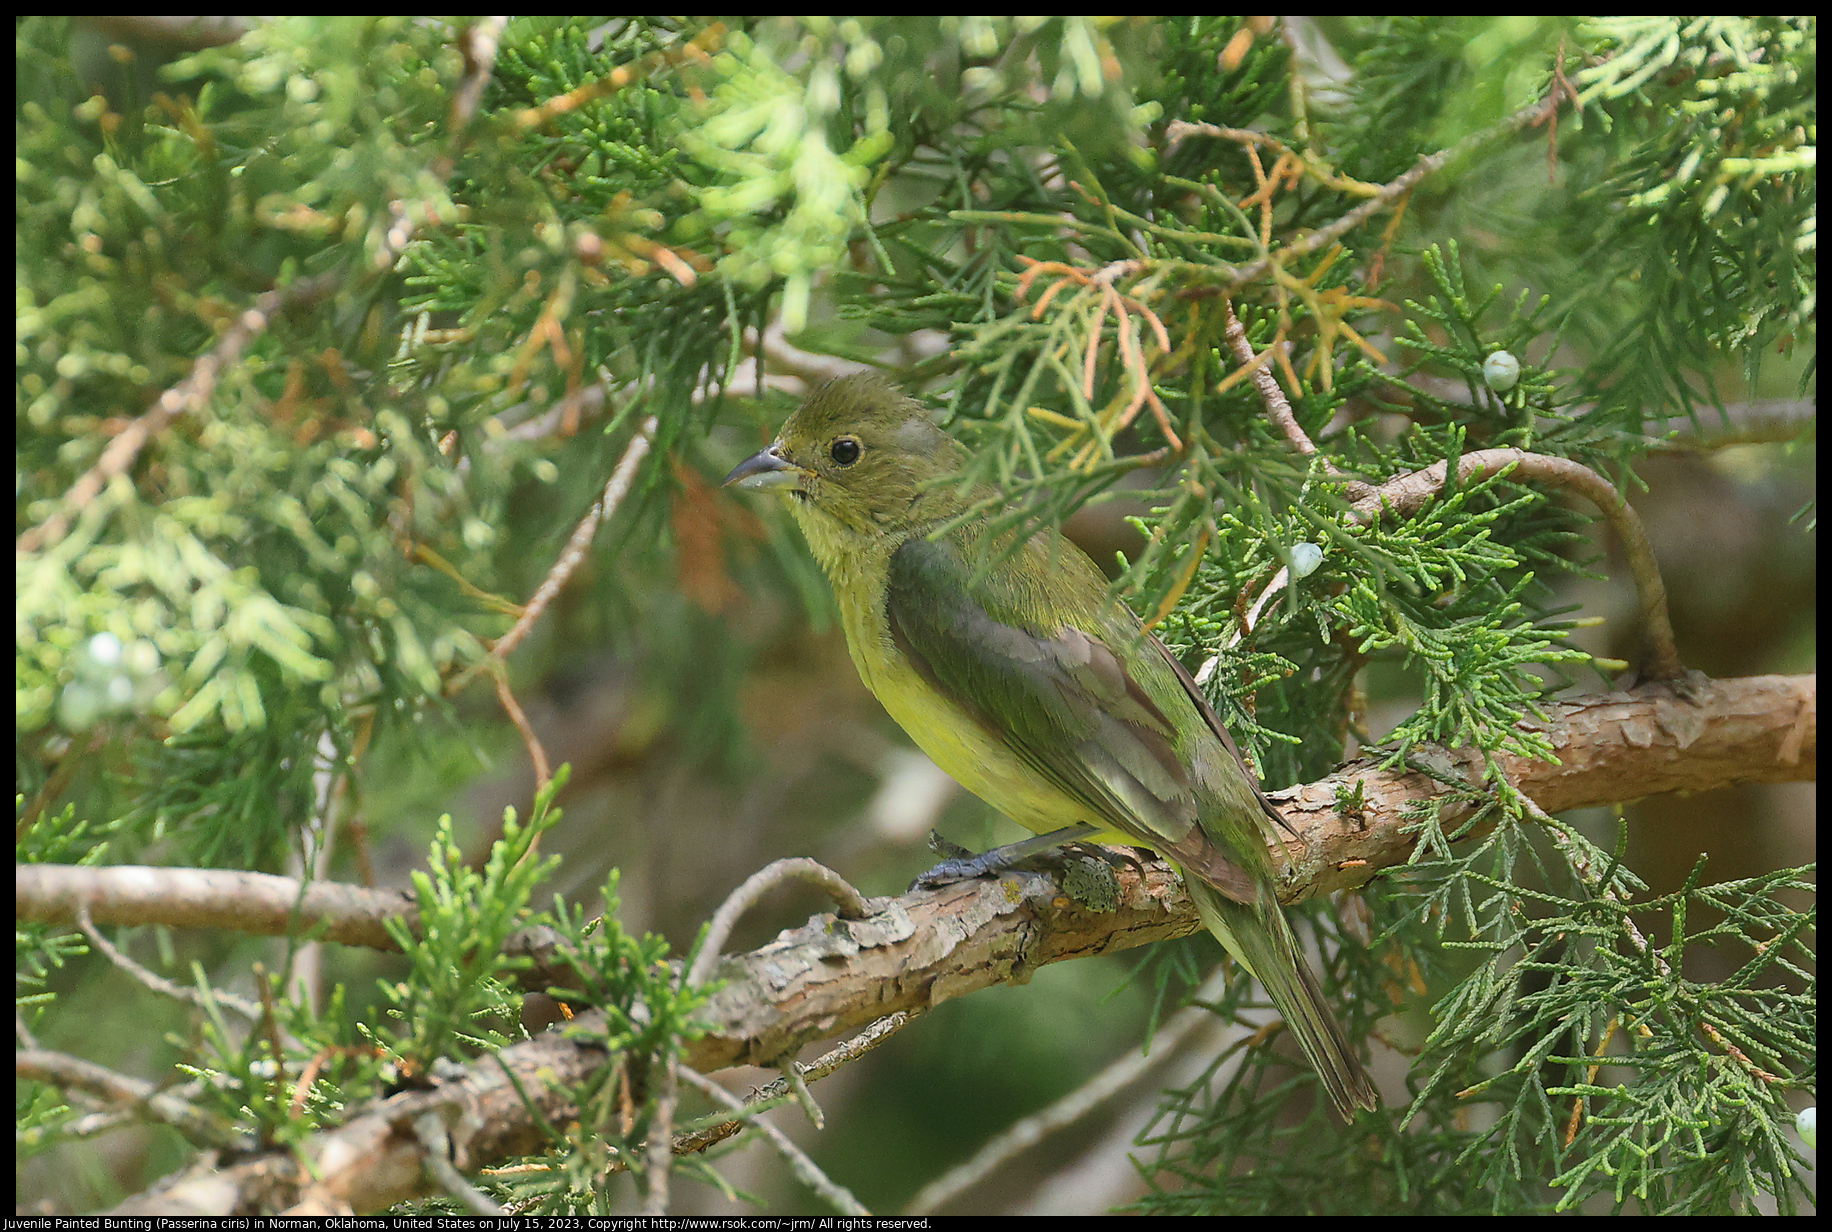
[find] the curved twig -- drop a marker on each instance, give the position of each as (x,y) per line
(742,899)
(1000,1151)
(614,491)
(1408,492)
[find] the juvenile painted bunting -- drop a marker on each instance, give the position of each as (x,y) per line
(1030,685)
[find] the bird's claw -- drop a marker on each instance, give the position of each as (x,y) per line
(945,849)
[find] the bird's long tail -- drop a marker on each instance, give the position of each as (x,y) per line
(1260,938)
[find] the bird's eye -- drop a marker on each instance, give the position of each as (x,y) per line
(845,450)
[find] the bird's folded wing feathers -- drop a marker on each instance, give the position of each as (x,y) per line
(1062,700)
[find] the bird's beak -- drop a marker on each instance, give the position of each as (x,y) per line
(768,469)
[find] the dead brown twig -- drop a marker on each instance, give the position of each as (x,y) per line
(478,43)
(1278,408)
(1126,332)
(1382,196)
(563,568)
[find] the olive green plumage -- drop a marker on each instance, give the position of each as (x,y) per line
(1031,686)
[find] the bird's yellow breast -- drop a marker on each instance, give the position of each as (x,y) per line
(953,738)
(857,565)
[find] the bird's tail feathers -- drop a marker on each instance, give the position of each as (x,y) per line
(1260,938)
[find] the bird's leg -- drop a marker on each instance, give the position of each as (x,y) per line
(988,863)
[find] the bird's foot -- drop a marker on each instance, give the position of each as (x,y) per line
(959,864)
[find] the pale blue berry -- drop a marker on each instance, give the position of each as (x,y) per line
(1501,371)
(1303,559)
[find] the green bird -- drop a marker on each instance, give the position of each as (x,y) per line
(1032,687)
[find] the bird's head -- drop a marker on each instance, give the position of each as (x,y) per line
(861,464)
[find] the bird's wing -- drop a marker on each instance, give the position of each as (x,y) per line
(1267,808)
(1067,704)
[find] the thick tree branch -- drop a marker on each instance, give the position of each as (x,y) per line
(260,904)
(834,976)
(1613,748)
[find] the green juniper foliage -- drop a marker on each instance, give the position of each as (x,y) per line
(252,587)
